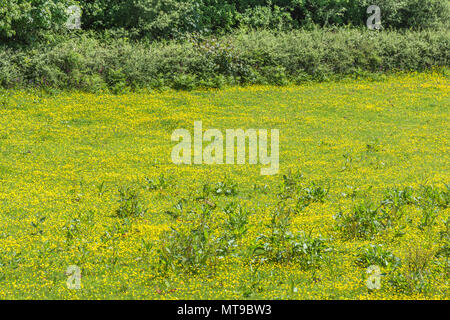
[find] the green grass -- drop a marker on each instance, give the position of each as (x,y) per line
(73,191)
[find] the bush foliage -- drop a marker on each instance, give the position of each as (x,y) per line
(258,57)
(167,19)
(188,43)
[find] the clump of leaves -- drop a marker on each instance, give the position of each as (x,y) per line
(351,192)
(413,276)
(146,246)
(290,184)
(72,230)
(428,218)
(377,255)
(310,194)
(177,209)
(237,222)
(160,183)
(348,163)
(130,203)
(101,188)
(226,187)
(396,198)
(273,246)
(304,249)
(309,251)
(373,146)
(190,248)
(364,221)
(281,245)
(192,245)
(434,196)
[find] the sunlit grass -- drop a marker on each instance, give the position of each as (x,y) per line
(65,158)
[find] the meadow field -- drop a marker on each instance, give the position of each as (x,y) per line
(87,183)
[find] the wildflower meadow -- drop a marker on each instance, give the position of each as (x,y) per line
(93,206)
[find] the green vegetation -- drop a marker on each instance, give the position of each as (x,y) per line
(26,20)
(88,187)
(86,180)
(186,44)
(95,65)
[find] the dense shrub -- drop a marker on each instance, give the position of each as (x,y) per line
(168,18)
(144,18)
(26,20)
(86,62)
